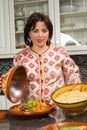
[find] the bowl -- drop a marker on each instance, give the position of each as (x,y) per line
(14,83)
(68,8)
(20,28)
(19,0)
(20,22)
(73,102)
(2,115)
(20,46)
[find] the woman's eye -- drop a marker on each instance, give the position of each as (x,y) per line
(35,30)
(44,30)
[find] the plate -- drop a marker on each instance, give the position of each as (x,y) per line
(13,110)
(55,126)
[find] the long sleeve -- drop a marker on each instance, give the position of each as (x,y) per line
(70,70)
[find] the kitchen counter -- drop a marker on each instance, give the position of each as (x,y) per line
(12,122)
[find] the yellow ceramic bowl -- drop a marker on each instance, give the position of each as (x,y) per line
(14,83)
(73,109)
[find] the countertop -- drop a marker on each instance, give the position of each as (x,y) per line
(12,122)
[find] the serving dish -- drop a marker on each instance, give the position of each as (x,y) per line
(73,107)
(14,111)
(55,126)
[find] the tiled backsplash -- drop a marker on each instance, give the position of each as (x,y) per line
(80,60)
(5,65)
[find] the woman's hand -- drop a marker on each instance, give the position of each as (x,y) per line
(1,78)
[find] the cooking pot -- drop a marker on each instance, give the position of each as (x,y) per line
(14,83)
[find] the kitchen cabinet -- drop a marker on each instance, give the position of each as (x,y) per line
(19,12)
(10,104)
(5,104)
(2,102)
(13,12)
(72,19)
(4,28)
(68,17)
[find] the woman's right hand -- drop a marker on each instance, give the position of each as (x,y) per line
(1,78)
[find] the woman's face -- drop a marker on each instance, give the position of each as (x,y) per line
(39,35)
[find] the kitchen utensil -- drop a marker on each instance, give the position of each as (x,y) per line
(14,83)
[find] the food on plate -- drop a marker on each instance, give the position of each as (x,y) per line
(73,128)
(67,126)
(72,96)
(32,105)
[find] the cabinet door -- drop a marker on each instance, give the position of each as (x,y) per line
(10,104)
(2,102)
(73,25)
(19,12)
(4,28)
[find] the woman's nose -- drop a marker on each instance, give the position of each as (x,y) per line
(40,33)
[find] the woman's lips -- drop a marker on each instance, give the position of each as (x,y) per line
(40,40)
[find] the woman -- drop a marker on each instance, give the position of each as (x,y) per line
(48,67)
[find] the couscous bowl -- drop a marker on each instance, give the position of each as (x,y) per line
(72,98)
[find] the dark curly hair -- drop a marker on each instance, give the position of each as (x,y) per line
(31,23)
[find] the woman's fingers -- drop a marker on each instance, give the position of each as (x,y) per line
(1,78)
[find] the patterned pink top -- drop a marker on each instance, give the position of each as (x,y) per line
(47,72)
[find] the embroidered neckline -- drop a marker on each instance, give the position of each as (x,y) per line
(42,52)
